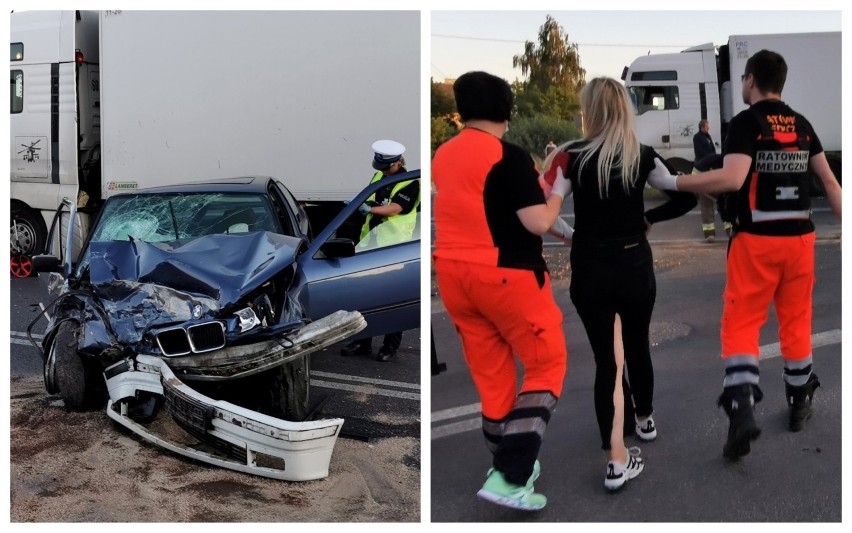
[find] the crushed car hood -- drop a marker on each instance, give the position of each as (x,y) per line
(142,284)
(223,267)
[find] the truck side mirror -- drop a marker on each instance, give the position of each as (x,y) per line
(47,263)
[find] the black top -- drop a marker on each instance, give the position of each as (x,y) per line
(703,145)
(512,184)
(621,213)
(743,133)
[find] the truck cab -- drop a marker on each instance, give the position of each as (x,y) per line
(671,93)
(54,118)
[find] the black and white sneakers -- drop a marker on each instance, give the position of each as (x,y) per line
(646,431)
(617,473)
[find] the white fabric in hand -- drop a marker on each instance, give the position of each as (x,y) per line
(563,228)
(561,185)
(661,178)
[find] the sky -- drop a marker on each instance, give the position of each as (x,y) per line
(607,40)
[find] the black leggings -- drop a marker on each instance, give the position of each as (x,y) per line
(610,278)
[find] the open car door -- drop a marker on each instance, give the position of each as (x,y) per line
(348,267)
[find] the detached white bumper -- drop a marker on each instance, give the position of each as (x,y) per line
(297,451)
(244,440)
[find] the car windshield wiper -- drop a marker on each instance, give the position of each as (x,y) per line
(174,219)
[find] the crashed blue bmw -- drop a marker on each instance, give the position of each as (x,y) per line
(207,299)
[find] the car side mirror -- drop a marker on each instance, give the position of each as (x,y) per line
(338,247)
(47,263)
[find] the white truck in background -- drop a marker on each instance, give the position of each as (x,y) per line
(115,100)
(673,92)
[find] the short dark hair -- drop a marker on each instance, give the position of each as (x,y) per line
(769,71)
(480,95)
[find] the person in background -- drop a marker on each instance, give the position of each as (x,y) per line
(612,269)
(703,146)
(391,217)
(551,146)
(489,215)
(767,154)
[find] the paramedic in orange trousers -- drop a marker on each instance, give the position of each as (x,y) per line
(767,153)
(489,215)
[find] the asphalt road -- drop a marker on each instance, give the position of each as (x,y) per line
(787,477)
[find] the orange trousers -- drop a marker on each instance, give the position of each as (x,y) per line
(763,269)
(501,313)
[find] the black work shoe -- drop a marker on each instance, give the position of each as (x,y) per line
(356,348)
(799,399)
(738,402)
(385,354)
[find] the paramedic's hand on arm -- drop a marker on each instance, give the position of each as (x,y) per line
(661,178)
(730,177)
(833,192)
(562,231)
(538,219)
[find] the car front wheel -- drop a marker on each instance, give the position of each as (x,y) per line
(74,380)
(282,392)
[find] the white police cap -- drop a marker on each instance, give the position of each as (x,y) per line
(386,152)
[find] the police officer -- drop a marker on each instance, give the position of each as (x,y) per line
(390,217)
(767,154)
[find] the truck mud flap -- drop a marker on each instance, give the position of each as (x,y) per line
(271,447)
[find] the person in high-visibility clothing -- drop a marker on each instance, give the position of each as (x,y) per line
(489,215)
(767,154)
(391,217)
(704,147)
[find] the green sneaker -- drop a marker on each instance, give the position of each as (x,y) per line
(497,490)
(535,474)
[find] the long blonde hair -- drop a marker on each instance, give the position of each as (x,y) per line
(608,128)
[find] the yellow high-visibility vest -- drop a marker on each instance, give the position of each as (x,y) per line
(395,228)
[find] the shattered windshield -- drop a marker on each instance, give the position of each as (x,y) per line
(176,216)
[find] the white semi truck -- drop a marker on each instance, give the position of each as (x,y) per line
(115,100)
(673,92)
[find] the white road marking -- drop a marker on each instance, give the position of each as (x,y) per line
(825,338)
(20,337)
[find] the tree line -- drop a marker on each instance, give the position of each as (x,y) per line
(547,103)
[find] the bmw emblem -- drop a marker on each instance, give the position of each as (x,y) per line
(196,312)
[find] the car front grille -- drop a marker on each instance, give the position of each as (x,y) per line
(194,339)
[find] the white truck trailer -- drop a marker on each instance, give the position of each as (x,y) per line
(673,92)
(115,100)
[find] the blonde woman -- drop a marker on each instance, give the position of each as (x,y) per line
(612,280)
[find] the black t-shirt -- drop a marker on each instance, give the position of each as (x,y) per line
(481,182)
(512,184)
(743,132)
(621,213)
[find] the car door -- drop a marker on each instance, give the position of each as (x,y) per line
(381,281)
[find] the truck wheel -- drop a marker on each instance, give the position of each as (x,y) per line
(817,189)
(835,164)
(76,382)
(28,231)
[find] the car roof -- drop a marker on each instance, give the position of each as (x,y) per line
(249,184)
